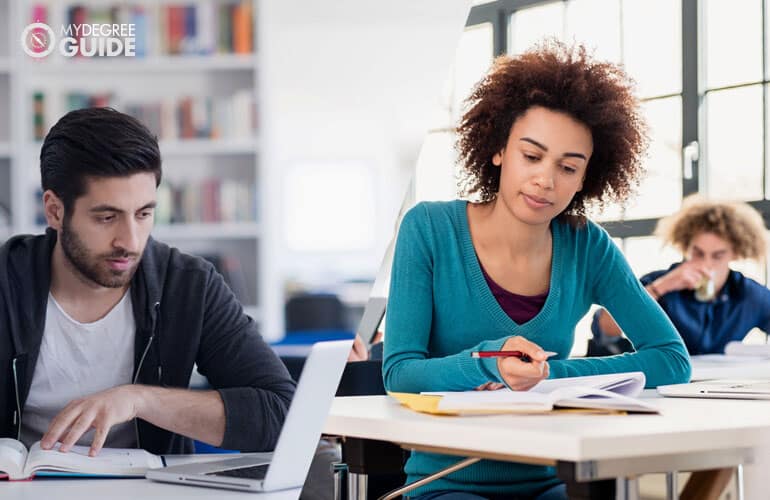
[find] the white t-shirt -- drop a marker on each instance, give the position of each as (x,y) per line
(79,359)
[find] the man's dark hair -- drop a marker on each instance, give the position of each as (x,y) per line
(95,143)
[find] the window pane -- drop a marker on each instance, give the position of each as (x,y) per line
(610,212)
(734,153)
(435,178)
(733,42)
(652,45)
(474,57)
(660,192)
(533,24)
(648,253)
(600,34)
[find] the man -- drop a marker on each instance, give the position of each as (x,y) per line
(100,325)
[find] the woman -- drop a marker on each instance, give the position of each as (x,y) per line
(709,303)
(546,133)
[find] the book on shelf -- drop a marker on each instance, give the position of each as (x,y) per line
(602,393)
(38,115)
(210,200)
(170,119)
(194,28)
(16,462)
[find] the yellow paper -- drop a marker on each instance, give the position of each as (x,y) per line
(428,403)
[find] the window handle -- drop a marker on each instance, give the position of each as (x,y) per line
(690,155)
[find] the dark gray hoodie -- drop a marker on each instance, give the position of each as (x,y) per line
(184,314)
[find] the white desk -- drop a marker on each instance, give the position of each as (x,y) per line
(123,489)
(690,434)
(711,366)
(131,489)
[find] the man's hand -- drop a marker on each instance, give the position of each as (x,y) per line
(521,375)
(687,276)
(99,411)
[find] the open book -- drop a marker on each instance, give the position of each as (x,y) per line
(18,463)
(612,392)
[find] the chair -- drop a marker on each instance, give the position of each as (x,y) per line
(310,318)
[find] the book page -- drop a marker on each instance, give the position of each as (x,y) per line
(109,461)
(627,384)
(544,395)
(587,397)
(13,454)
(503,399)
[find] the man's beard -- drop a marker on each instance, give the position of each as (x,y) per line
(94,267)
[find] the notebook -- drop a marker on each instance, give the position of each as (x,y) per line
(611,393)
(296,444)
(719,389)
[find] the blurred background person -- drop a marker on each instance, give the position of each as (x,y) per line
(709,303)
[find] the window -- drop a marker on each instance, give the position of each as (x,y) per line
(621,33)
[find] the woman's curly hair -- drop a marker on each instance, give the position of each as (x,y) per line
(736,223)
(560,78)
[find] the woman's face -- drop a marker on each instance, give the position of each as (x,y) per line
(712,253)
(543,164)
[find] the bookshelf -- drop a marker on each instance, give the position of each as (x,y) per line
(210,157)
(159,64)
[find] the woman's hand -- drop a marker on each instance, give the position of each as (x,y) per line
(490,386)
(686,276)
(521,375)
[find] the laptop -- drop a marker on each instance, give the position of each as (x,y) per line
(296,444)
(719,389)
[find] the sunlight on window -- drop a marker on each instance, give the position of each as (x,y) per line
(648,253)
(533,24)
(734,139)
(435,175)
(473,60)
(596,25)
(733,42)
(660,193)
(329,207)
(652,45)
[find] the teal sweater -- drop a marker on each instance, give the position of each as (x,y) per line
(440,309)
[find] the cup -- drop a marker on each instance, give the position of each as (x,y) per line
(706,290)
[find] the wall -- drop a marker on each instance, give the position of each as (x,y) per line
(349,83)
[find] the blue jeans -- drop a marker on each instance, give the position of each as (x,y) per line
(558,492)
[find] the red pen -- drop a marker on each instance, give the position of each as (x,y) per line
(507,354)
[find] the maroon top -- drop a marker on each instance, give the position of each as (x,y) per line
(520,308)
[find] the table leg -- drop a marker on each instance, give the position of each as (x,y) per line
(626,488)
(339,472)
(672,486)
(357,485)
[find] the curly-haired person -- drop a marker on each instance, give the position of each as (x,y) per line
(709,303)
(546,134)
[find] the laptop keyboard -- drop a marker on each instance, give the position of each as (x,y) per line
(255,472)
